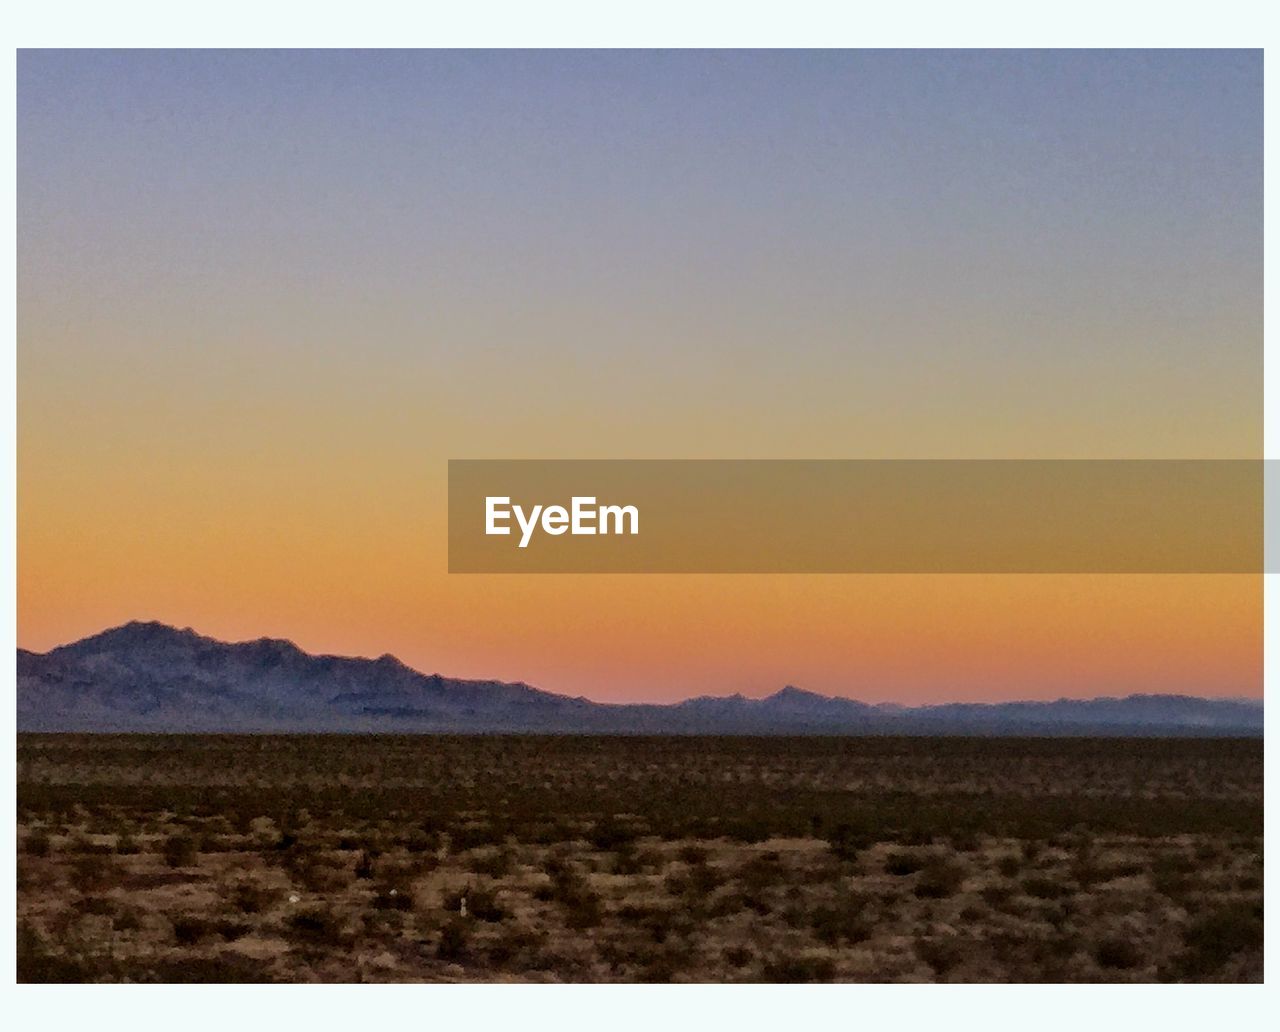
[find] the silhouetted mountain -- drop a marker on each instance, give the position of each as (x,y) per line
(147,676)
(152,677)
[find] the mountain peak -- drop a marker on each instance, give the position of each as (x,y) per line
(812,704)
(790,693)
(135,632)
(149,676)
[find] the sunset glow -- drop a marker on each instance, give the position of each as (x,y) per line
(263,299)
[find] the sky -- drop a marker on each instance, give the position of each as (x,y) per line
(263,297)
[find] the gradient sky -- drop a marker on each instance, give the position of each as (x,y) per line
(263,297)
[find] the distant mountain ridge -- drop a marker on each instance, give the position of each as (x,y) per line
(155,678)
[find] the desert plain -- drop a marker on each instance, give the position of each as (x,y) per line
(348,858)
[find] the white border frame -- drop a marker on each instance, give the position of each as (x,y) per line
(577,23)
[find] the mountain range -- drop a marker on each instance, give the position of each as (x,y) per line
(151,677)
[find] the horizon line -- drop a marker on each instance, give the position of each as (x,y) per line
(153,623)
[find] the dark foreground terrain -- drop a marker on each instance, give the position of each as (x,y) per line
(345,858)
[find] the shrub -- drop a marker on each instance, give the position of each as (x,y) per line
(845,842)
(1002,899)
(511,944)
(38,963)
(1173,875)
(1209,851)
(570,890)
(798,968)
(1009,865)
(230,930)
(250,898)
(942,954)
(627,860)
(1217,937)
(1173,863)
(693,855)
(903,864)
(316,926)
(1110,872)
(1117,953)
(583,910)
(484,906)
(127,921)
(659,923)
(482,903)
(843,922)
(940,878)
(698,882)
(610,835)
(454,941)
(422,840)
(179,850)
(90,873)
(392,899)
(666,964)
(1041,887)
(36,844)
(472,836)
(496,863)
(98,905)
(227,967)
(761,872)
(749,831)
(316,876)
(85,845)
(188,929)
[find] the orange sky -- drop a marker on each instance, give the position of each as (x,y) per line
(223,569)
(264,298)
